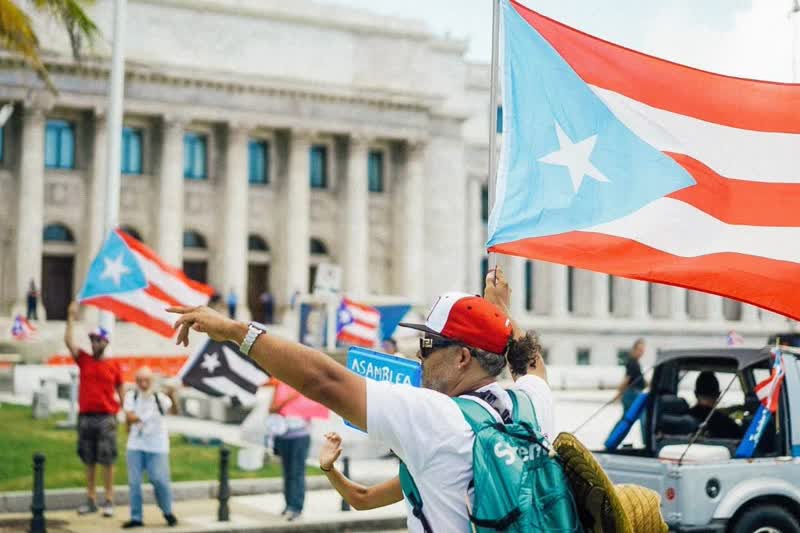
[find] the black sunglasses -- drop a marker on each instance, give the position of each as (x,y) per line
(428,345)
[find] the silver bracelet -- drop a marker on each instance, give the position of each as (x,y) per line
(253,333)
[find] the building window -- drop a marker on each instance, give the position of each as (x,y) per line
(484,271)
(571,289)
(583,357)
(59,144)
(485,204)
(192,239)
(258,157)
(651,298)
(375,171)
(499,119)
(319,166)
(195,156)
(257,244)
(529,285)
(2,141)
(611,294)
(57,233)
(131,151)
(546,355)
(133,232)
(623,356)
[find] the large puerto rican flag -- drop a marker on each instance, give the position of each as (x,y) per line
(129,280)
(619,162)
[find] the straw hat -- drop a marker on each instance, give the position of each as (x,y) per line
(602,506)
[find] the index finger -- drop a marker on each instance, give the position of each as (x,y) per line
(179,309)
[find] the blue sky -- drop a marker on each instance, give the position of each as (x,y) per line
(749,38)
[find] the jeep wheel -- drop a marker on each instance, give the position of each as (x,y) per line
(766,519)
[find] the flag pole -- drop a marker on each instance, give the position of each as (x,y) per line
(794,15)
(114,133)
(493,115)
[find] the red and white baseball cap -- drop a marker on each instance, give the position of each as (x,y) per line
(468,319)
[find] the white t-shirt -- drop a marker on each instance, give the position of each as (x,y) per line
(427,430)
(150,434)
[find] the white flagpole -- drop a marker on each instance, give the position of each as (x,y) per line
(493,114)
(116,90)
(794,15)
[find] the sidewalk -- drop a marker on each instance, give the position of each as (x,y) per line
(247,514)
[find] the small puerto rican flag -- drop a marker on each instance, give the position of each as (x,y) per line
(769,390)
(22,330)
(357,324)
(734,339)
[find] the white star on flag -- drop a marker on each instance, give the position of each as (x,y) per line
(345,317)
(210,362)
(114,269)
(575,156)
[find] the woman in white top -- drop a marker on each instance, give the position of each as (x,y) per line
(148,446)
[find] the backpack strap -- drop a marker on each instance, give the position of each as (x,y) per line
(411,492)
(158,404)
(523,409)
(476,415)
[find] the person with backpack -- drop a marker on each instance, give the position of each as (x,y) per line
(474,455)
(148,446)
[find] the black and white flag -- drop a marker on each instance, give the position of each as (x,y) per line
(219,369)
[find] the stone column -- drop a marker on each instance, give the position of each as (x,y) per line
(475,236)
(558,291)
(233,274)
(169,235)
(514,267)
(600,295)
(750,314)
(677,303)
(411,224)
(714,310)
(356,232)
(638,293)
(296,199)
(30,206)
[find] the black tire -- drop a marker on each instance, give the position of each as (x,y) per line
(763,516)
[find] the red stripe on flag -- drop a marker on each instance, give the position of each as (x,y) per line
(363,307)
(346,338)
(131,314)
(738,102)
(146,252)
(740,202)
(157,293)
(768,283)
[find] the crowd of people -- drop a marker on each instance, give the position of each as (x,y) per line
(466,344)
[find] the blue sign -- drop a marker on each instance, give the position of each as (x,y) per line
(383,367)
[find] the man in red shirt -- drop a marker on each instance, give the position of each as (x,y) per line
(98,401)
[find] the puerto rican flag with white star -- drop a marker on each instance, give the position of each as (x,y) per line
(130,281)
(619,162)
(357,324)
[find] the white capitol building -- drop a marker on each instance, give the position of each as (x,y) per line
(264,137)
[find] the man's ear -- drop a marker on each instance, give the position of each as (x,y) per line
(464,357)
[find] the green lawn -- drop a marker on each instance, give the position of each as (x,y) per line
(21,436)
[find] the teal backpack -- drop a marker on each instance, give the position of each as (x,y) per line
(519,486)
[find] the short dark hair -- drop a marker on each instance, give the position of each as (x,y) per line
(707,385)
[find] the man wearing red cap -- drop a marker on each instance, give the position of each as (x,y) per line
(101,389)
(467,343)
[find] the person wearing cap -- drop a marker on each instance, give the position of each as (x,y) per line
(467,343)
(100,391)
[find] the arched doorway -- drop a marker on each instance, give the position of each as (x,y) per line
(195,256)
(319,254)
(258,272)
(58,270)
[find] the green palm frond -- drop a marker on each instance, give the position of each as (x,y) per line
(17,35)
(75,20)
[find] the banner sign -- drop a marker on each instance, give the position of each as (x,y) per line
(383,367)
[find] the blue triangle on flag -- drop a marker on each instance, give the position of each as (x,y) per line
(115,270)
